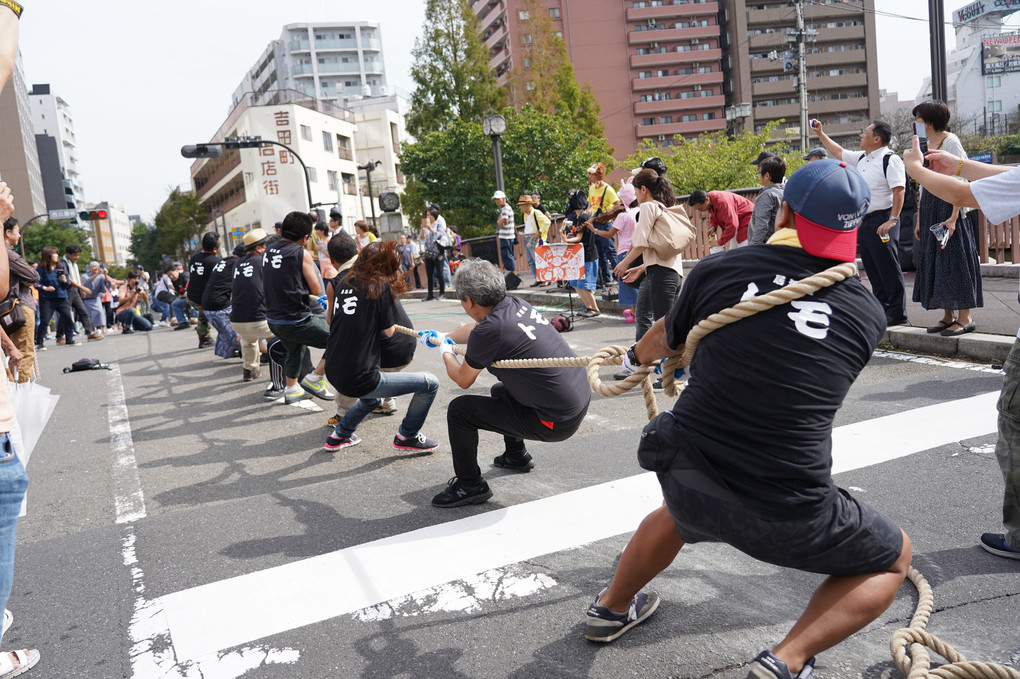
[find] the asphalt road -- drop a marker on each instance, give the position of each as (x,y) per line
(180,526)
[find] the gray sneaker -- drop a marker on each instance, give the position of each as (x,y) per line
(768,666)
(318,388)
(293,397)
(605,625)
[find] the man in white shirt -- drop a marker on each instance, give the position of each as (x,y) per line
(880,230)
(507,234)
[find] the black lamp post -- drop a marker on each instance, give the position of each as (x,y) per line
(494,127)
(368,167)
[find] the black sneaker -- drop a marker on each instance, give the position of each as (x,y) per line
(272,394)
(995,543)
(126,331)
(518,463)
(204,342)
(605,625)
(181,326)
(335,443)
(657,385)
(622,375)
(768,666)
(417,443)
(457,495)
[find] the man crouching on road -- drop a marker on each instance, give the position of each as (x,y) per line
(767,489)
(542,404)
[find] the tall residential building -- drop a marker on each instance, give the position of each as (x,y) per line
(328,61)
(256,187)
(19,158)
(51,116)
(655,66)
(661,68)
(983,72)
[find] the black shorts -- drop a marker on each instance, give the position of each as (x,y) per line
(844,537)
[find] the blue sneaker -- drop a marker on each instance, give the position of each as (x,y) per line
(768,666)
(995,543)
(605,625)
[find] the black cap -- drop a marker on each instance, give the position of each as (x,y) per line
(653,163)
(762,156)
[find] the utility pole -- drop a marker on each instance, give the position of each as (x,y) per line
(799,36)
(936,22)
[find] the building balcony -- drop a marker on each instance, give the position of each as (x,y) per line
(674,58)
(498,35)
(400,178)
(686,129)
(374,66)
(344,153)
(677,81)
(325,45)
(299,46)
(671,35)
(371,44)
(498,59)
(844,34)
(339,68)
(848,58)
(679,106)
(762,42)
(302,69)
(396,147)
(672,11)
(776,87)
(493,12)
(204,184)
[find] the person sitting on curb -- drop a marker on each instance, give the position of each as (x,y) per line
(541,404)
(768,491)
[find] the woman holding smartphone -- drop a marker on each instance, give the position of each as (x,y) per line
(948,270)
(52,286)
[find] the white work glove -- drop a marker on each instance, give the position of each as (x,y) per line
(447,347)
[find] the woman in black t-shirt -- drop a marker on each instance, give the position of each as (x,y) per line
(365,311)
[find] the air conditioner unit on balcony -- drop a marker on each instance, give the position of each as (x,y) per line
(694,41)
(654,45)
(696,64)
(662,137)
(697,88)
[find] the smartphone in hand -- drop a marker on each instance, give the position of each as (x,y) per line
(921,132)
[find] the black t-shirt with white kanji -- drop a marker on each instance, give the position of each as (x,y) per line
(248,303)
(354,350)
(757,412)
(200,267)
(398,349)
(513,330)
(217,290)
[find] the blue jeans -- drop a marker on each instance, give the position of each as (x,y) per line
(506,253)
(129,319)
(529,254)
(607,257)
(424,386)
(13,483)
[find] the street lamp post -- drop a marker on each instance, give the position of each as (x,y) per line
(25,226)
(368,167)
(494,127)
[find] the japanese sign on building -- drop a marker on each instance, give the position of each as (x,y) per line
(1001,53)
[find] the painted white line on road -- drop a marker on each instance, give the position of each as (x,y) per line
(128,500)
(209,618)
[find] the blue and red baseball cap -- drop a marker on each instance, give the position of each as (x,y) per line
(829,199)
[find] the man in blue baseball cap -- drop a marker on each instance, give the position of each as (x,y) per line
(745,455)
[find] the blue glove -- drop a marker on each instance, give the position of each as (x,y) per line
(322,302)
(447,347)
(431,338)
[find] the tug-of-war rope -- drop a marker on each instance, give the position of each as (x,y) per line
(908,645)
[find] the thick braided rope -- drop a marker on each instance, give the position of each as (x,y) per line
(909,646)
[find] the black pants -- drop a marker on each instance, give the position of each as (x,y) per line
(499,413)
(79,311)
(882,264)
(656,296)
(47,307)
(433,271)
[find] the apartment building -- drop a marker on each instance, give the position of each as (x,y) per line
(842,65)
(19,157)
(51,116)
(332,62)
(655,66)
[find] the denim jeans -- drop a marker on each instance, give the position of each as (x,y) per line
(162,307)
(506,253)
(529,254)
(424,386)
(129,319)
(13,483)
(606,257)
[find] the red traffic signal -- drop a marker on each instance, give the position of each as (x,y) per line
(92,215)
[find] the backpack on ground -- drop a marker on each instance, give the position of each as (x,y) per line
(87,364)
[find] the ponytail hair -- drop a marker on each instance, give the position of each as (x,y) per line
(657,184)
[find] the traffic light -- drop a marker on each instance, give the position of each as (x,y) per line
(201,151)
(92,215)
(243,142)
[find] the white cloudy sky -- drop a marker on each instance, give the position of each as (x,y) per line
(144,78)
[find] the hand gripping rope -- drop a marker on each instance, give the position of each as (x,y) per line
(914,661)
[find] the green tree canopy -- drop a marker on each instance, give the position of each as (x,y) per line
(454,168)
(143,247)
(178,221)
(451,70)
(59,234)
(715,162)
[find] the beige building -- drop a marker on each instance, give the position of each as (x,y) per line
(19,158)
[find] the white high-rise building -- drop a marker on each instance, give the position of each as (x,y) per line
(51,116)
(333,62)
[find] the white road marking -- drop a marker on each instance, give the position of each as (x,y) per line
(220,615)
(941,362)
(128,500)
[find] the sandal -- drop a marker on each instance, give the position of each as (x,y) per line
(26,660)
(950,333)
(939,327)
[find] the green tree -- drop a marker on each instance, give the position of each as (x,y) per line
(541,152)
(451,70)
(143,247)
(59,234)
(544,76)
(178,221)
(715,162)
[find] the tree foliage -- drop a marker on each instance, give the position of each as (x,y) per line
(59,234)
(455,167)
(451,70)
(143,247)
(715,162)
(178,221)
(545,79)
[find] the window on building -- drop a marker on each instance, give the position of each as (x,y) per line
(527,62)
(662,73)
(639,4)
(708,92)
(648,121)
(333,180)
(558,35)
(993,81)
(708,116)
(554,12)
(531,85)
(524,15)
(313,176)
(689,118)
(644,74)
(327,142)
(526,39)
(306,133)
(665,120)
(995,106)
